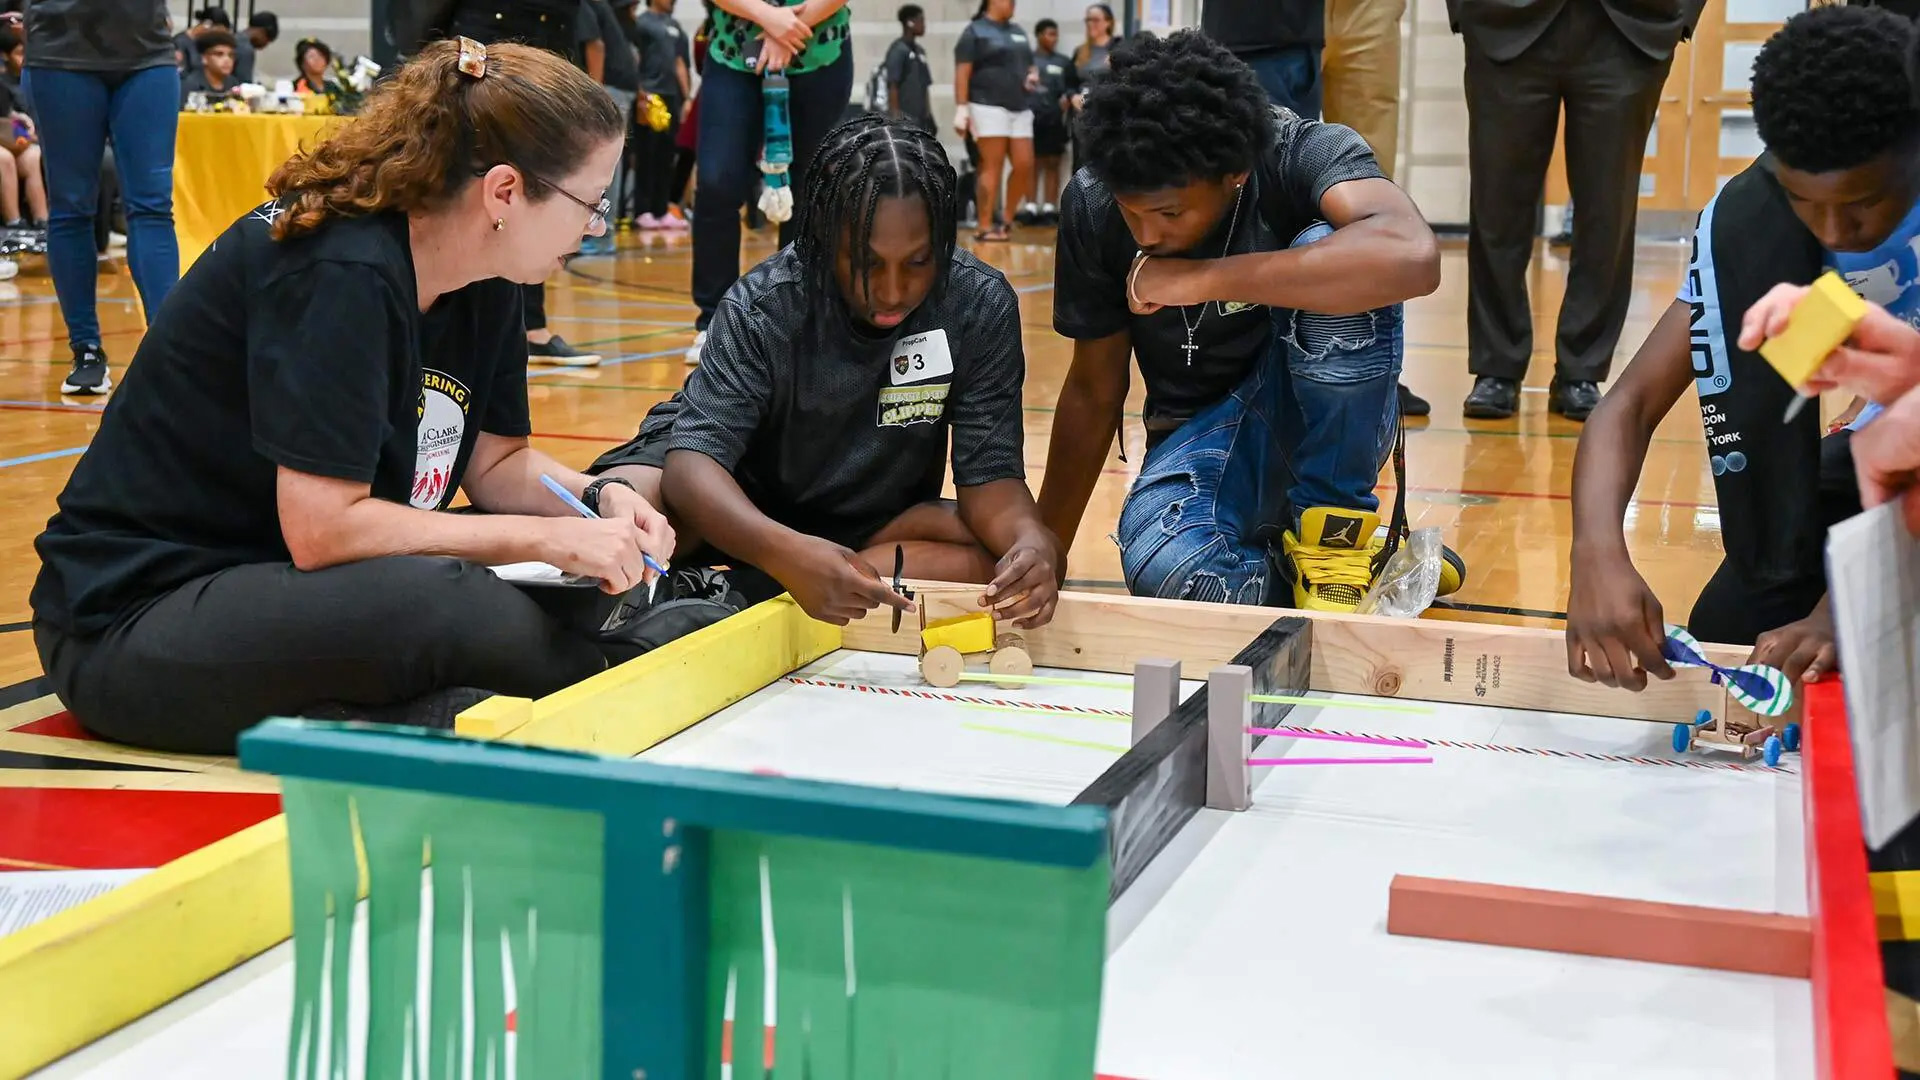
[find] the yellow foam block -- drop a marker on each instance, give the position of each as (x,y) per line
(1820,322)
(969,633)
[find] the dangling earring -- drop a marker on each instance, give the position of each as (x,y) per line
(499,224)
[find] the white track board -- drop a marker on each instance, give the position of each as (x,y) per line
(1255,947)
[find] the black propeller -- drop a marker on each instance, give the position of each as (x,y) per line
(899,564)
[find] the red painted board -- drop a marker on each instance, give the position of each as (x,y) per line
(1851,1038)
(104,829)
(61,724)
(1485,914)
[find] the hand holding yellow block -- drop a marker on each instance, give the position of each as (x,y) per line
(969,633)
(1821,322)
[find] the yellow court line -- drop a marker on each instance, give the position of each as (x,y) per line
(28,711)
(213,780)
(54,746)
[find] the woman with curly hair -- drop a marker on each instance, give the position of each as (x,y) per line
(258,527)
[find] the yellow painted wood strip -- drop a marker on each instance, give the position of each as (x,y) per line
(653,697)
(86,971)
(1896,904)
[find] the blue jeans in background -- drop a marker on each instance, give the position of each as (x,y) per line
(1291,76)
(732,128)
(1310,425)
(77,111)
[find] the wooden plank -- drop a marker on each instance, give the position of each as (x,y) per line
(76,976)
(1513,667)
(1851,1037)
(1683,934)
(630,708)
(1159,785)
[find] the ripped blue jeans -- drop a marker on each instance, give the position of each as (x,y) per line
(1311,425)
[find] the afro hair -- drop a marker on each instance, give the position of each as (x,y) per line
(1831,91)
(1173,111)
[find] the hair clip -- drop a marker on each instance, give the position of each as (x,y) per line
(473,58)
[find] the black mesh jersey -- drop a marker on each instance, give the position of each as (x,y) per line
(834,432)
(1096,250)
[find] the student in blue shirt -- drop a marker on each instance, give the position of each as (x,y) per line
(1836,189)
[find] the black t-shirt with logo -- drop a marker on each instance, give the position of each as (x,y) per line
(661,42)
(1001,56)
(1096,251)
(311,354)
(833,432)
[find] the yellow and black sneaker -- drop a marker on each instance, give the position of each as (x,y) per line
(1331,557)
(1453,569)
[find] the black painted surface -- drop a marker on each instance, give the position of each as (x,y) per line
(1157,787)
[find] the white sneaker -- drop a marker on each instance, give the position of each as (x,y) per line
(693,350)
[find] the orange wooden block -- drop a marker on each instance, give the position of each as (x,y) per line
(1681,934)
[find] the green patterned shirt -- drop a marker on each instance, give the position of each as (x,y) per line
(732,36)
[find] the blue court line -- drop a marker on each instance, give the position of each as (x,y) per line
(8,463)
(608,362)
(57,405)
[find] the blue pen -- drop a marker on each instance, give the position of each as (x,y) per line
(572,500)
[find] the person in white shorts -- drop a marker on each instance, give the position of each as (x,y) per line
(994,79)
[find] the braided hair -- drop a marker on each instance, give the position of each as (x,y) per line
(859,163)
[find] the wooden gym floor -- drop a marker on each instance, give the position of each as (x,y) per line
(1499,490)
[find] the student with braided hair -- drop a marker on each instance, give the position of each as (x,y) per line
(813,438)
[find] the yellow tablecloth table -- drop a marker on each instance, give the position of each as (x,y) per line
(221,162)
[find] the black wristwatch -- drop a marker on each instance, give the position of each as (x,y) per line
(591,494)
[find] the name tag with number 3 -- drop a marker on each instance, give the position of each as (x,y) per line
(921,357)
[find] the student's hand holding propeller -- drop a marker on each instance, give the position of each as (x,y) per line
(1614,625)
(833,584)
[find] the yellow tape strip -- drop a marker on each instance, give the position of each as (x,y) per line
(1896,904)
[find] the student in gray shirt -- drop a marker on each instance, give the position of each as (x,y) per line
(909,78)
(993,76)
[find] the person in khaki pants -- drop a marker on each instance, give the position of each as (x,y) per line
(1360,72)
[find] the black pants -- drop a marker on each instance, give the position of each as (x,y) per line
(1610,90)
(654,157)
(1734,609)
(193,669)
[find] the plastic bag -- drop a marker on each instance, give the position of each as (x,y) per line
(1411,579)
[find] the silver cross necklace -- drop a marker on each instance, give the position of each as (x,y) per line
(1239,197)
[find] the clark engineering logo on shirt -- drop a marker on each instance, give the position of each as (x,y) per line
(443,425)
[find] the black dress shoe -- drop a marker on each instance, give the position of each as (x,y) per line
(1492,398)
(1412,404)
(1573,399)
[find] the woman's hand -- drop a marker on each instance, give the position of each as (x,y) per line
(962,119)
(624,503)
(774,56)
(786,26)
(1880,359)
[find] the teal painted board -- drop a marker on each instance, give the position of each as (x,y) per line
(879,963)
(412,759)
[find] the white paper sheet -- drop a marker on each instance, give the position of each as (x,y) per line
(1873,580)
(28,896)
(538,573)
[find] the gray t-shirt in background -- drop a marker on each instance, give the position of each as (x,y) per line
(98,35)
(907,69)
(1001,55)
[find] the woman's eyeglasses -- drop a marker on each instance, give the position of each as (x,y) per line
(599,214)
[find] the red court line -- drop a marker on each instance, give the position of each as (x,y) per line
(106,829)
(1851,1037)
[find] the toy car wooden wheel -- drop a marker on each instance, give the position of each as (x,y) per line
(941,666)
(1010,658)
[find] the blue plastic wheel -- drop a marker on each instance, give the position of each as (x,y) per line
(1792,738)
(1772,750)
(1702,718)
(1682,738)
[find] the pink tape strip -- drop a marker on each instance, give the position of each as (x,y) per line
(1262,762)
(1371,740)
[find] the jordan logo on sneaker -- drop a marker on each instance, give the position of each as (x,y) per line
(1346,534)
